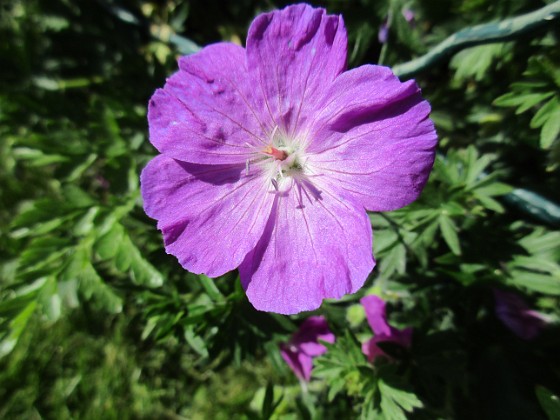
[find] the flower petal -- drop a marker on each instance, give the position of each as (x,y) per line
(372,350)
(376,316)
(211,216)
(312,330)
(375,138)
(318,245)
(206,112)
(300,363)
(292,54)
(512,310)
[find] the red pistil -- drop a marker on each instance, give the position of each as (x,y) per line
(275,153)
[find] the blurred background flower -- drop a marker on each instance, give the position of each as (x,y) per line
(304,346)
(376,316)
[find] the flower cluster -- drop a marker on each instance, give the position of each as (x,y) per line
(270,156)
(304,345)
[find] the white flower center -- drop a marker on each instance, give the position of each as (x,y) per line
(281,159)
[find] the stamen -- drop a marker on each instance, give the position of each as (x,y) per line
(273,132)
(247,167)
(275,153)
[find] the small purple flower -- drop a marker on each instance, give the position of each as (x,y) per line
(383,33)
(377,320)
(408,15)
(304,346)
(516,315)
(271,155)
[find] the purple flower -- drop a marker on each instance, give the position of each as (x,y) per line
(516,315)
(383,33)
(408,15)
(304,346)
(271,155)
(377,320)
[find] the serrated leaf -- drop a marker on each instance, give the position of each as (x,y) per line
(395,400)
(394,261)
(474,62)
(335,386)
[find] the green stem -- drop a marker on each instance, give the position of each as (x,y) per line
(480,34)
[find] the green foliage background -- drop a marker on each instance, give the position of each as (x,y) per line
(96,321)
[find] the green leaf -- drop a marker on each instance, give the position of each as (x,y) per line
(94,288)
(496,188)
(395,400)
(16,327)
(524,101)
(91,286)
(475,62)
(211,288)
(540,242)
(489,203)
(267,407)
(196,342)
(550,129)
(541,283)
(108,245)
(549,402)
(116,247)
(449,232)
(547,111)
(394,261)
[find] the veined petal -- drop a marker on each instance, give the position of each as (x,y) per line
(318,245)
(292,54)
(211,216)
(206,113)
(374,138)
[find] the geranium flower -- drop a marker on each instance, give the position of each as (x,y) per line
(377,320)
(271,155)
(304,346)
(517,316)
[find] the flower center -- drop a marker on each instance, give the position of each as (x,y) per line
(283,158)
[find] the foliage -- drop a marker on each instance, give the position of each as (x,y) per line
(97,321)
